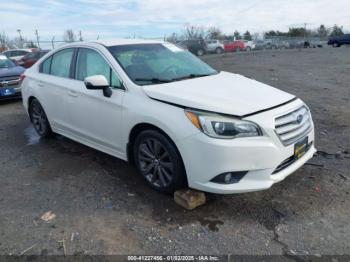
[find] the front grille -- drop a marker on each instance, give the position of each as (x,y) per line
(9,78)
(289,161)
(293,126)
(9,81)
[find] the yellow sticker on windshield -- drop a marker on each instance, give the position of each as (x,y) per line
(172,48)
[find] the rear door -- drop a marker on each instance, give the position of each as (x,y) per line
(210,45)
(52,85)
(93,118)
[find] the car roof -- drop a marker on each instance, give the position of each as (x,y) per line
(127,42)
(20,49)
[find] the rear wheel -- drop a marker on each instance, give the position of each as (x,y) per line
(248,49)
(158,161)
(335,45)
(219,50)
(200,52)
(39,119)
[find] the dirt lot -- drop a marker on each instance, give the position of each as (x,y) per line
(103,207)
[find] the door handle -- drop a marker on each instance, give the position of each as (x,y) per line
(73,93)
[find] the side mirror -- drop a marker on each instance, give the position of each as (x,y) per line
(98,82)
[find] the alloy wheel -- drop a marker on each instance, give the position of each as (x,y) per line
(155,163)
(39,118)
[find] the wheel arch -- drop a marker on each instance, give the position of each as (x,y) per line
(136,130)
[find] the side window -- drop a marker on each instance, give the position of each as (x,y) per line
(45,66)
(61,61)
(90,63)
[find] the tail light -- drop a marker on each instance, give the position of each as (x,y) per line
(21,78)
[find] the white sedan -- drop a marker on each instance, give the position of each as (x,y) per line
(179,121)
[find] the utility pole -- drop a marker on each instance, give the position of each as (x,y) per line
(305,24)
(52,42)
(20,37)
(37,37)
(80,37)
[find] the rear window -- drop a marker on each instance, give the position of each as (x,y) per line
(60,64)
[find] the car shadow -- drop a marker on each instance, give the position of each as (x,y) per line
(130,191)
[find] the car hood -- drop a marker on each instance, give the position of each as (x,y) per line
(225,93)
(12,71)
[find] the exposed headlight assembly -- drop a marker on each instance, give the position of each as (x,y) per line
(218,126)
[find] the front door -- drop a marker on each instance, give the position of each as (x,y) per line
(94,119)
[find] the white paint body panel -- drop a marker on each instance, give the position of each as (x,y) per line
(105,123)
(225,93)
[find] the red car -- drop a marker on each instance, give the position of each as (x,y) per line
(235,46)
(29,59)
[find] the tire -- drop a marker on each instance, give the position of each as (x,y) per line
(248,49)
(237,49)
(39,119)
(200,52)
(335,45)
(219,50)
(159,162)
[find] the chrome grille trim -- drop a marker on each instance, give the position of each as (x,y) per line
(9,78)
(289,129)
(9,83)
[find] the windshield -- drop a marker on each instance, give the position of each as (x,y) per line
(147,64)
(5,62)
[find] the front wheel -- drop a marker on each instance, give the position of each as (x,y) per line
(39,119)
(335,45)
(159,162)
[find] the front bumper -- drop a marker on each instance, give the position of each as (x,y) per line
(17,89)
(206,157)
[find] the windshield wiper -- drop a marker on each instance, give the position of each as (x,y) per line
(189,76)
(153,80)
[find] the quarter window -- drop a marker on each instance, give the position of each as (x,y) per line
(45,66)
(61,61)
(90,63)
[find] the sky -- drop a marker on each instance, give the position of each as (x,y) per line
(158,18)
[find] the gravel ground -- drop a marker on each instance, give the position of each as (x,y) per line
(103,207)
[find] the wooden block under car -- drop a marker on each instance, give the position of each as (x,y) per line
(189,199)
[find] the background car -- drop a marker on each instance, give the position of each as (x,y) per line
(10,78)
(260,45)
(29,59)
(16,54)
(195,46)
(235,46)
(249,45)
(214,46)
(338,41)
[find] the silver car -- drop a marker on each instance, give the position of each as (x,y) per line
(214,46)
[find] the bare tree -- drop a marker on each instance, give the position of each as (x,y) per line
(3,40)
(173,38)
(337,31)
(80,36)
(193,32)
(69,36)
(215,33)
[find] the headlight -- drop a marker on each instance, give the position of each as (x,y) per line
(218,126)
